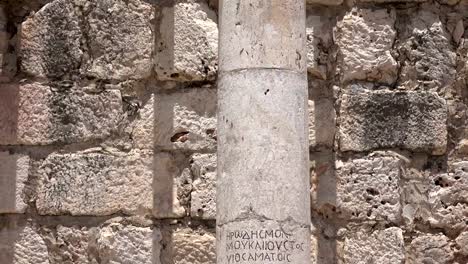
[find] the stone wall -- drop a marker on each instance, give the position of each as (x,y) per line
(108,131)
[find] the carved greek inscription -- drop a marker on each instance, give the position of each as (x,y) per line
(263,246)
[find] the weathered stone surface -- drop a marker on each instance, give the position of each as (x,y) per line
(36,114)
(182,120)
(365,38)
(322,122)
(385,119)
(462,243)
(171,185)
(96,183)
(21,244)
(50,41)
(325,2)
(187,43)
(392,1)
(448,197)
(319,40)
(69,245)
(203,202)
(117,243)
(381,246)
(189,247)
(7,56)
(364,189)
(428,52)
(416,205)
(14,169)
(120,39)
(429,248)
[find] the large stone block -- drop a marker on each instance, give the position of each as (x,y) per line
(430,57)
(203,202)
(181,120)
(36,114)
(21,244)
(120,39)
(429,248)
(365,38)
(187,42)
(386,119)
(95,183)
(68,245)
(186,246)
(360,189)
(50,41)
(380,246)
(14,171)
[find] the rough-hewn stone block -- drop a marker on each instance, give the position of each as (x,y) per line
(14,169)
(385,119)
(36,114)
(120,39)
(189,247)
(21,244)
(96,183)
(365,38)
(429,248)
(322,122)
(203,202)
(187,44)
(68,245)
(381,246)
(462,242)
(181,120)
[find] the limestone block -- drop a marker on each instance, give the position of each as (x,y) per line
(429,248)
(416,203)
(189,247)
(363,189)
(203,202)
(120,39)
(187,44)
(181,120)
(95,183)
(171,185)
(319,40)
(462,243)
(381,246)
(117,243)
(14,169)
(385,119)
(21,244)
(448,197)
(322,121)
(36,114)
(429,52)
(365,38)
(69,245)
(325,2)
(50,41)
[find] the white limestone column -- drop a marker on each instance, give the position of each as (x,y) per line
(263,206)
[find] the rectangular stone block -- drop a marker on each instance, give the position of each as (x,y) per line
(187,246)
(427,248)
(180,120)
(95,183)
(38,114)
(385,119)
(322,123)
(203,202)
(187,44)
(14,171)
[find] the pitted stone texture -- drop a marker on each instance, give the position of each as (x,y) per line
(365,38)
(95,183)
(428,52)
(319,41)
(416,204)
(50,41)
(171,185)
(119,38)
(21,244)
(69,245)
(322,123)
(14,170)
(187,46)
(191,247)
(117,243)
(462,243)
(203,196)
(385,119)
(381,246)
(429,248)
(448,197)
(36,114)
(182,120)
(325,2)
(257,34)
(365,189)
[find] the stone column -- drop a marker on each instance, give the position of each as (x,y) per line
(263,212)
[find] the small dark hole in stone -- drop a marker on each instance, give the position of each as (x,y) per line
(266,92)
(174,75)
